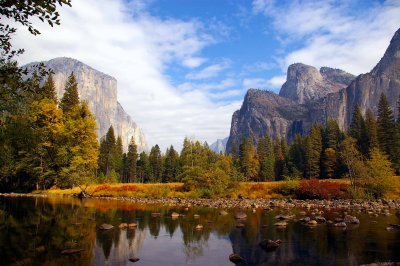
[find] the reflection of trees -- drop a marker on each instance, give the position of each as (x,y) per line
(38,231)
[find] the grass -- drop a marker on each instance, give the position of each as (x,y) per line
(247,190)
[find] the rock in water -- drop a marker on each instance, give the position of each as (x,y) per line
(123,226)
(71,251)
(223,213)
(235,258)
(134,259)
(132,225)
(240,215)
(174,215)
(270,245)
(199,227)
(106,227)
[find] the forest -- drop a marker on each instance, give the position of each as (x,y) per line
(46,142)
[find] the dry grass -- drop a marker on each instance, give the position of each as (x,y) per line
(249,190)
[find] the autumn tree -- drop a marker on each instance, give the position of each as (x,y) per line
(248,159)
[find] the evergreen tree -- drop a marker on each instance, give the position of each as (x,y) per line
(131,161)
(371,129)
(155,164)
(266,159)
(329,162)
(70,98)
(313,152)
(186,157)
(143,168)
(280,160)
(118,157)
(248,159)
(49,88)
(81,148)
(357,130)
(386,127)
(171,165)
(332,135)
(107,152)
(296,157)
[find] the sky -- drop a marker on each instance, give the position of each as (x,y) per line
(184,66)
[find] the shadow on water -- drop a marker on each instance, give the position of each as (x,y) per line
(34,231)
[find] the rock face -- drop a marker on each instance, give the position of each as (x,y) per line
(305,83)
(366,89)
(311,96)
(100,91)
(219,145)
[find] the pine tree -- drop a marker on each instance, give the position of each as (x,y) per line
(155,164)
(49,88)
(357,130)
(329,162)
(81,147)
(186,157)
(371,129)
(143,168)
(280,160)
(131,161)
(70,98)
(386,127)
(171,165)
(332,135)
(248,159)
(313,152)
(118,157)
(107,152)
(296,157)
(266,159)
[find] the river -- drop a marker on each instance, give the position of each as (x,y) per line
(35,230)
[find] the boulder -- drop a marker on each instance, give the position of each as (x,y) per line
(106,227)
(235,258)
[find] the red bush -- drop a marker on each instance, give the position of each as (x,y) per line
(316,189)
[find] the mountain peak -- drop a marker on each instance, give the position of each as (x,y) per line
(389,65)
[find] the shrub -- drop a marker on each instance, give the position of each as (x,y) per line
(288,187)
(316,189)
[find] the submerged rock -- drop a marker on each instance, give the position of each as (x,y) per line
(270,245)
(281,224)
(123,226)
(240,215)
(71,251)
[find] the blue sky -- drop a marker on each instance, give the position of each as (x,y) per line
(184,66)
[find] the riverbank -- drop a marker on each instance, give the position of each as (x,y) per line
(372,207)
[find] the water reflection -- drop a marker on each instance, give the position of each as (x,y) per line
(34,231)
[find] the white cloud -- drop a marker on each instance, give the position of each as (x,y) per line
(208,72)
(135,48)
(274,83)
(335,33)
(193,62)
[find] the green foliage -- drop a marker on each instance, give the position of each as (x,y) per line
(371,128)
(131,161)
(70,98)
(289,187)
(358,131)
(143,168)
(265,152)
(379,179)
(155,163)
(313,152)
(171,166)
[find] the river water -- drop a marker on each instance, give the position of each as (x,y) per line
(34,231)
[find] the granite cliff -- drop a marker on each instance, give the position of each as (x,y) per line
(311,96)
(100,91)
(219,145)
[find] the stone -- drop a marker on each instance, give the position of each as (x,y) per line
(199,227)
(270,245)
(341,224)
(281,224)
(174,215)
(235,258)
(223,213)
(134,259)
(312,222)
(106,227)
(132,225)
(71,251)
(123,226)
(240,215)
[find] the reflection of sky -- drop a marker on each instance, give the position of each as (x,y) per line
(164,250)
